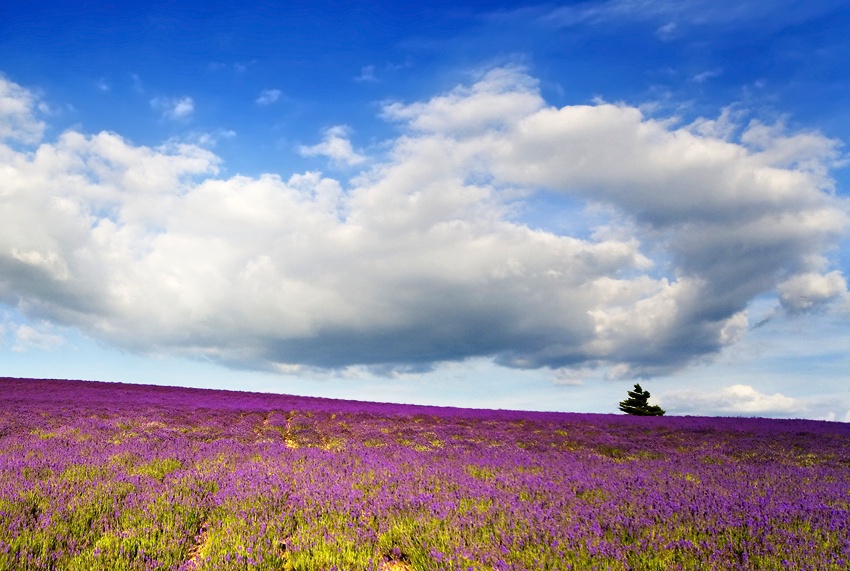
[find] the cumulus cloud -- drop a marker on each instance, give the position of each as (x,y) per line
(501,97)
(336,146)
(420,257)
(174,108)
(808,291)
(735,400)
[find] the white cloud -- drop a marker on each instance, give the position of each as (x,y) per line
(501,96)
(420,258)
(335,146)
(207,139)
(667,31)
(28,337)
(808,291)
(238,67)
(734,400)
(724,127)
(175,108)
(268,96)
(809,152)
(367,74)
(569,377)
(704,76)
(17,113)
(672,16)
(832,417)
(136,83)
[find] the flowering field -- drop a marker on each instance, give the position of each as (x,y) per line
(109,476)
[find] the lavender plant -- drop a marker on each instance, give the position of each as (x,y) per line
(108,476)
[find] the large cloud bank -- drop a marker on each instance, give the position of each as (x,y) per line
(422,256)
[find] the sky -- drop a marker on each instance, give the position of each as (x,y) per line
(510,205)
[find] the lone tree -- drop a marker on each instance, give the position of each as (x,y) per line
(638,404)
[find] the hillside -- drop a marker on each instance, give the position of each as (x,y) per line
(113,476)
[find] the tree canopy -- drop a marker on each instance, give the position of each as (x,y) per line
(638,404)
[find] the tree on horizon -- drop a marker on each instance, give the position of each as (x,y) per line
(638,404)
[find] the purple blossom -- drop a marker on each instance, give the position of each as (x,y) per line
(99,475)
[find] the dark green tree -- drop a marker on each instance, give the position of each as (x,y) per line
(638,404)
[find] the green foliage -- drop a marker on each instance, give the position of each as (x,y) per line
(638,404)
(158,468)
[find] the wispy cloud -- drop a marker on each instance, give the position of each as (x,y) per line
(367,74)
(18,110)
(336,146)
(673,17)
(174,108)
(268,96)
(238,67)
(28,337)
(667,31)
(704,76)
(136,83)
(206,139)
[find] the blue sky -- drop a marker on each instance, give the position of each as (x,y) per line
(505,204)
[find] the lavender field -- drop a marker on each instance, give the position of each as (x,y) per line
(109,476)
